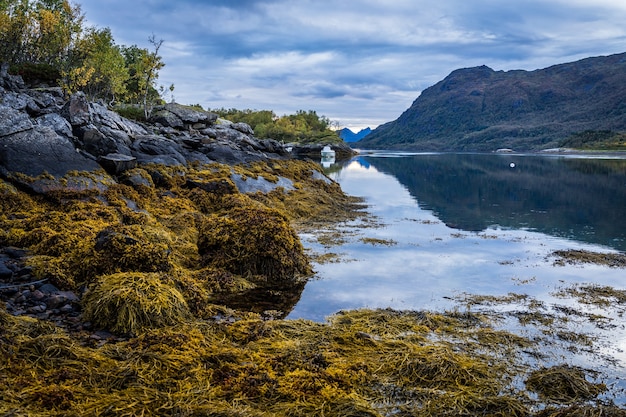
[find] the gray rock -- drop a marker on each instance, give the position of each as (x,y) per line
(60,298)
(13,121)
(57,123)
(252,185)
(76,110)
(40,151)
(19,101)
(167,118)
(5,272)
(103,117)
(97,143)
(190,115)
(137,178)
(243,128)
(157,149)
(48,289)
(115,163)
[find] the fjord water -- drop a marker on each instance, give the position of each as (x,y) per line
(451,224)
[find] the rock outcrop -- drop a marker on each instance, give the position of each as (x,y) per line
(186,205)
(43,138)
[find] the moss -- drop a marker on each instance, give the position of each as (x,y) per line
(133,302)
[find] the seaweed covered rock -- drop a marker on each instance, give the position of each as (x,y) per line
(254,241)
(134,302)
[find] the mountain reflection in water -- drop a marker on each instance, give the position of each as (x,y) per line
(467,223)
(577,198)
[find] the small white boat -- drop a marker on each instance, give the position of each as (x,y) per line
(328,153)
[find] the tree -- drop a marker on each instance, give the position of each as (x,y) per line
(102,72)
(143,67)
(151,63)
(41,32)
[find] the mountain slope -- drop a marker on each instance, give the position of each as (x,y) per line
(349,136)
(482,109)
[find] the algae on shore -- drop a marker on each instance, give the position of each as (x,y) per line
(158,259)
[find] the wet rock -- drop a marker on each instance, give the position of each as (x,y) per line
(158,150)
(67,308)
(60,299)
(40,151)
(137,178)
(48,289)
(15,253)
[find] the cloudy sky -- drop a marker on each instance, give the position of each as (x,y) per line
(358,62)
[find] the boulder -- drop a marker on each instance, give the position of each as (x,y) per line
(243,128)
(76,110)
(115,163)
(57,123)
(157,149)
(13,121)
(182,117)
(167,119)
(42,150)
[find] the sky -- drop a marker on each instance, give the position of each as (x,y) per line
(360,63)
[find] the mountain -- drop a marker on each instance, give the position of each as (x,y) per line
(479,109)
(349,136)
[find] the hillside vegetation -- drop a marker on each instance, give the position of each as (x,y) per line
(47,43)
(479,109)
(302,127)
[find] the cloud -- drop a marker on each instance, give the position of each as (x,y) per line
(356,62)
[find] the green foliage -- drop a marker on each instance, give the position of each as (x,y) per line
(45,41)
(43,31)
(36,73)
(302,127)
(596,139)
(130,111)
(102,73)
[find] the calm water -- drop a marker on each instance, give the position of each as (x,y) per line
(470,223)
(480,224)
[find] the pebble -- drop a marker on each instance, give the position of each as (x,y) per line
(67,308)
(25,295)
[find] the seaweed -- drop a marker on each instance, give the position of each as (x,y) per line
(163,258)
(564,384)
(133,302)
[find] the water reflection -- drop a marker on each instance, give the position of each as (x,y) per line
(467,223)
(475,224)
(578,198)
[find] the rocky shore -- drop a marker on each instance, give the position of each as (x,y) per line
(57,152)
(145,270)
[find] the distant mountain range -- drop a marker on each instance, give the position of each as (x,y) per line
(479,109)
(349,136)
